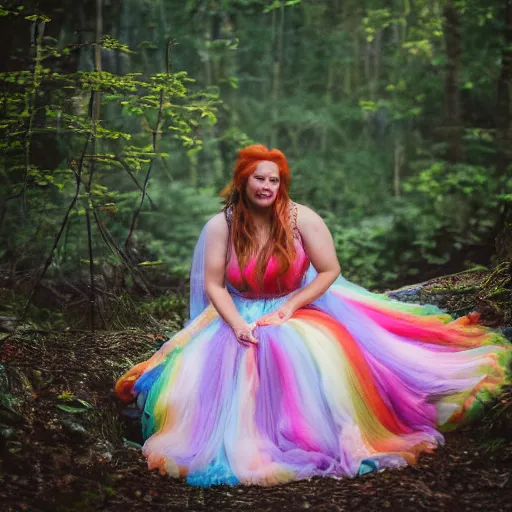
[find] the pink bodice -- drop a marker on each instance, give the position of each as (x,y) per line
(273,284)
(246,282)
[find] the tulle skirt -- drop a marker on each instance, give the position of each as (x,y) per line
(352,383)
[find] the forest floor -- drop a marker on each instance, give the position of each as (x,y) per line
(68,448)
(66,444)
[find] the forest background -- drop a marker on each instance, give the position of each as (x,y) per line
(121,121)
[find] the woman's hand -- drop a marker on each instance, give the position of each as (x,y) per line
(245,336)
(277,317)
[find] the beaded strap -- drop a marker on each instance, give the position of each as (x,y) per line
(228,213)
(293,220)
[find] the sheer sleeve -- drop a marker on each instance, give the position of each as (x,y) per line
(198,298)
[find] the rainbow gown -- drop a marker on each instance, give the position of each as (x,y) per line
(354,382)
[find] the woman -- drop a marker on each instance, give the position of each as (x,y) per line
(285,369)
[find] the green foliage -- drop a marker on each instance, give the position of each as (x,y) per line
(73,405)
(363,251)
(354,95)
(455,202)
(102,159)
(171,308)
(171,233)
(276,4)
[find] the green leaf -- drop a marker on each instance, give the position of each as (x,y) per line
(85,403)
(150,263)
(71,409)
(75,405)
(66,396)
(38,17)
(274,5)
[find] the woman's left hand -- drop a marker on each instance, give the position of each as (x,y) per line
(277,317)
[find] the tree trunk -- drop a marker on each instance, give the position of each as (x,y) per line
(398,160)
(504,114)
(324,133)
(504,239)
(504,136)
(377,49)
(278,62)
(453,127)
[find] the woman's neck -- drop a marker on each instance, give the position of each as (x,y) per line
(262,217)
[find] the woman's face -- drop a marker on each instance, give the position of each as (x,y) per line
(263,184)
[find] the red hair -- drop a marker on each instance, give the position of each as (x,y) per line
(243,230)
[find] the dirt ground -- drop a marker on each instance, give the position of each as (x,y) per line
(66,446)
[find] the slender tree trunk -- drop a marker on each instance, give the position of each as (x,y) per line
(504,110)
(453,124)
(398,159)
(356,31)
(208,73)
(278,34)
(294,135)
(377,48)
(223,71)
(95,115)
(406,12)
(367,70)
(504,136)
(357,61)
(324,138)
(504,238)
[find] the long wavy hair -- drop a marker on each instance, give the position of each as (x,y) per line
(243,229)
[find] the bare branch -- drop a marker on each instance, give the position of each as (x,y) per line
(154,140)
(49,259)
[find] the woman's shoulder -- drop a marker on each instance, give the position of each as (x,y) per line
(218,224)
(305,215)
(216,227)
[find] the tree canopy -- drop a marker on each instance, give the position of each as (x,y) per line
(121,122)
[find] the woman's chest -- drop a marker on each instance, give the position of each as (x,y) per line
(274,282)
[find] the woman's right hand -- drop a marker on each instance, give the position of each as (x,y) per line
(245,335)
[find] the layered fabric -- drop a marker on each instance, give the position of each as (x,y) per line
(351,383)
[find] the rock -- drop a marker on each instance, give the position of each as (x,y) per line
(13,447)
(407,294)
(132,411)
(8,415)
(74,429)
(6,433)
(101,451)
(131,444)
(507,332)
(7,323)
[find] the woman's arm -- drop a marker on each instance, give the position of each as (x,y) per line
(217,238)
(319,247)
